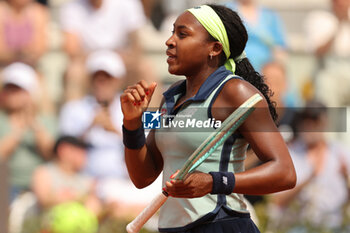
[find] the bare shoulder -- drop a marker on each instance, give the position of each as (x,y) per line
(237,91)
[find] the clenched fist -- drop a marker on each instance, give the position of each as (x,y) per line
(134,101)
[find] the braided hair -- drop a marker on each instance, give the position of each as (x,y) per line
(238,37)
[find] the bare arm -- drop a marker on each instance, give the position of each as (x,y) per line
(41,186)
(44,141)
(9,143)
(277,171)
(12,139)
(144,164)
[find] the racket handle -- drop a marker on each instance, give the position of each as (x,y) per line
(136,225)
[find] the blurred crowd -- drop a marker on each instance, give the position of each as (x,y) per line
(64,63)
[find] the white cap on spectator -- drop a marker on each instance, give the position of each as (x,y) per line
(108,61)
(21,75)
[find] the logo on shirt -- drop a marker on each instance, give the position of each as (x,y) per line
(224,180)
(151,120)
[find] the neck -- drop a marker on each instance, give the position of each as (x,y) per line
(194,82)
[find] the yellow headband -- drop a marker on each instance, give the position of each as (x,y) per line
(213,24)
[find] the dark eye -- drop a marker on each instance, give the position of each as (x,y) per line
(182,34)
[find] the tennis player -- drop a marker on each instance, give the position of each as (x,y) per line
(207,46)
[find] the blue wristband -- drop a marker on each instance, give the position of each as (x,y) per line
(223,182)
(134,139)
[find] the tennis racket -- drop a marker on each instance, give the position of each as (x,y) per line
(228,127)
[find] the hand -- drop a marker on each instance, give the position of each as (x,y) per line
(136,99)
(103,119)
(19,122)
(28,114)
(194,185)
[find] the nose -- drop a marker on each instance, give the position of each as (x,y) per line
(170,42)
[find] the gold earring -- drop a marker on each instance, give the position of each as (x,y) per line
(211,56)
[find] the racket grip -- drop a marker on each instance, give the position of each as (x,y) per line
(136,225)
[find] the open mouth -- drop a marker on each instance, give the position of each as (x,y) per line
(171,58)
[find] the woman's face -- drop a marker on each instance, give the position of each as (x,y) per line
(188,47)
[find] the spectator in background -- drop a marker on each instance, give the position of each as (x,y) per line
(66,196)
(328,36)
(322,166)
(266,39)
(276,77)
(329,32)
(61,180)
(26,136)
(23,31)
(97,118)
(90,25)
(283,94)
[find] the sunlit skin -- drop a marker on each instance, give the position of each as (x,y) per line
(15,98)
(189,51)
(183,59)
